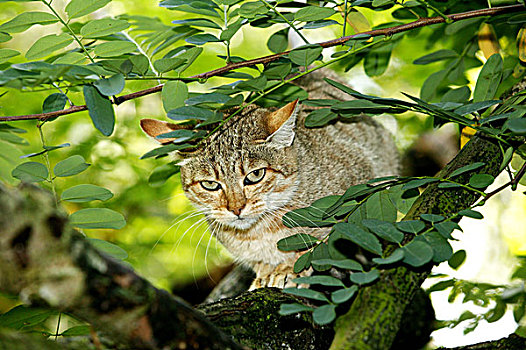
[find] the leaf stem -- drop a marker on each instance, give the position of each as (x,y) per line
(65,24)
(129,37)
(46,159)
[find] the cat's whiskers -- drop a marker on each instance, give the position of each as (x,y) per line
(178,220)
(172,197)
(195,252)
(198,222)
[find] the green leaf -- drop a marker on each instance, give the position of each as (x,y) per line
(164,65)
(110,86)
(460,95)
(85,193)
(410,226)
(347,264)
(111,249)
(489,79)
(313,13)
(417,183)
(384,230)
(497,312)
(457,259)
(30,172)
(21,317)
(305,55)
(190,112)
(277,70)
(97,218)
(319,279)
(297,242)
(306,293)
(442,250)
(471,214)
(4,37)
(6,54)
(27,19)
(231,30)
(279,41)
(380,207)
(48,44)
(432,217)
(342,295)
(76,331)
(114,48)
(78,8)
(475,107)
(354,107)
(365,277)
(303,262)
(103,27)
(54,102)
(162,173)
(294,308)
(70,166)
(100,110)
(517,126)
(173,94)
(446,228)
(417,253)
(396,256)
(359,236)
(432,84)
(324,314)
(320,117)
(442,285)
(436,56)
(198,22)
(376,61)
(448,185)
(252,9)
(467,168)
(201,39)
(481,180)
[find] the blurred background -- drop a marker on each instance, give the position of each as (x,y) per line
(166,240)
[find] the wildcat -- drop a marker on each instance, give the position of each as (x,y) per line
(264,162)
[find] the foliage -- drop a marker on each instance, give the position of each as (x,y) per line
(93,61)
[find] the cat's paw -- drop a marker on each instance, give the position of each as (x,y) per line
(280,276)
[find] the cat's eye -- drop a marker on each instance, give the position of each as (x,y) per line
(210,185)
(254,177)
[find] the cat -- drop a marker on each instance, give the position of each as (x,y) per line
(264,162)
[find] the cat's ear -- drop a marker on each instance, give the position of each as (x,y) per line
(281,124)
(154,128)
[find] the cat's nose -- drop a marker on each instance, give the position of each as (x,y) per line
(237,211)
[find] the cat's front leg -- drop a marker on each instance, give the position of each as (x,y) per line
(279,276)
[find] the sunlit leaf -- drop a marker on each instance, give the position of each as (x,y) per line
(103,27)
(48,44)
(86,193)
(91,218)
(6,54)
(313,13)
(111,249)
(173,95)
(25,20)
(30,172)
(305,55)
(114,48)
(489,79)
(436,56)
(78,8)
(70,166)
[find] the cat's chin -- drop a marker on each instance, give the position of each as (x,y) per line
(241,223)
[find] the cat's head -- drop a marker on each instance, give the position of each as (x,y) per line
(245,172)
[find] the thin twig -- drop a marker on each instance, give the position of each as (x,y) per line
(512,182)
(267,59)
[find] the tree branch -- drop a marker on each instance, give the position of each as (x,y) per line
(267,59)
